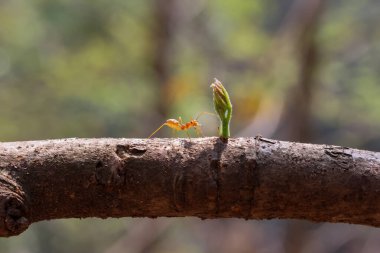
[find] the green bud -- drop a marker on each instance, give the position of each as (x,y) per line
(223,108)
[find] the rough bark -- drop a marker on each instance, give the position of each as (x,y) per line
(251,178)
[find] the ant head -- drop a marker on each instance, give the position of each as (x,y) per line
(195,122)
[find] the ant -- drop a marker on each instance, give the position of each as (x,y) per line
(177,125)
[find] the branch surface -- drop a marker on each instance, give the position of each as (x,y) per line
(251,178)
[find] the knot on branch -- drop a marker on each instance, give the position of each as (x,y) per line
(123,151)
(340,156)
(13,210)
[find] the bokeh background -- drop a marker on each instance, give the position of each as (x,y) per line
(298,70)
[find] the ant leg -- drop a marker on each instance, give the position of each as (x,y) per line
(199,131)
(188,135)
(174,133)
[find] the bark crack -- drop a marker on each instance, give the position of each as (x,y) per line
(252,163)
(215,167)
(215,170)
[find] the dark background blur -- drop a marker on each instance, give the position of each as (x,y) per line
(299,70)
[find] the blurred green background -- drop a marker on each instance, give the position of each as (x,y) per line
(298,70)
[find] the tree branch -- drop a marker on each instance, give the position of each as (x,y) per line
(252,178)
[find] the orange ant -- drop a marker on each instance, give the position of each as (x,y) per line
(177,125)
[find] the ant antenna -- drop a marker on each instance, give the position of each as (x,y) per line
(202,113)
(156,130)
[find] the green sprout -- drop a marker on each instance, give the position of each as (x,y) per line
(223,108)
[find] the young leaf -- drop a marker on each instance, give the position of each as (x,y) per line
(223,108)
